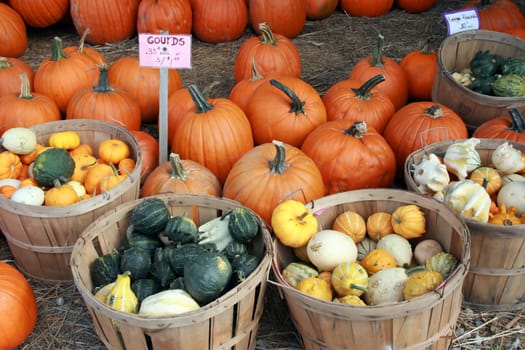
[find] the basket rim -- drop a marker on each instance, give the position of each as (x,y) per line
(259,276)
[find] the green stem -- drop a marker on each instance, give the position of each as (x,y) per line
(357,130)
(518,123)
(103,80)
(177,168)
(57,49)
(277,165)
(363,92)
(4,63)
(25,87)
(296,106)
(358,287)
(377,55)
(267,36)
(198,98)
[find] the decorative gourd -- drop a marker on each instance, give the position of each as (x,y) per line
(145,287)
(10,165)
(507,159)
(485,64)
(315,287)
(101,293)
(235,249)
(294,272)
(19,140)
(425,249)
(136,261)
(328,248)
(487,177)
(215,232)
(105,269)
(121,297)
(167,303)
(112,151)
(179,256)
(378,259)
(242,267)
(364,247)
(349,278)
(512,194)
(468,199)
(461,157)
(399,247)
(161,268)
(378,225)
(510,85)
(206,276)
(351,300)
(95,175)
(30,195)
(421,282)
(408,221)
(430,174)
(150,216)
(514,65)
(442,262)
(64,139)
(352,224)
(505,217)
(181,229)
(51,165)
(139,240)
(293,223)
(243,225)
(386,286)
(18,307)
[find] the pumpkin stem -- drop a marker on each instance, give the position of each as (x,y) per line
(363,92)
(103,80)
(296,106)
(4,63)
(518,123)
(434,111)
(377,55)
(82,42)
(57,50)
(177,168)
(198,98)
(267,36)
(277,165)
(358,129)
(25,87)
(255,72)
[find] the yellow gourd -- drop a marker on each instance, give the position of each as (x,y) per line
(61,195)
(408,221)
(121,297)
(351,300)
(293,223)
(102,293)
(64,139)
(421,282)
(505,217)
(349,278)
(352,224)
(315,287)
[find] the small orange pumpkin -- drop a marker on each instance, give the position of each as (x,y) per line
(377,260)
(488,177)
(10,165)
(378,225)
(112,151)
(352,224)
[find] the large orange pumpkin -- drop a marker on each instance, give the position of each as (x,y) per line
(172,16)
(181,176)
(10,69)
(271,52)
(319,9)
(149,147)
(415,6)
(497,15)
(109,20)
(26,109)
(179,103)
(271,173)
(41,13)
(216,134)
(17,306)
(370,8)
(13,33)
(395,85)
(286,17)
(143,83)
(243,90)
(419,124)
(352,100)
(219,21)
(510,127)
(350,156)
(105,102)
(420,66)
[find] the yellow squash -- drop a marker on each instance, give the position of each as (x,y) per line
(293,223)
(408,221)
(121,297)
(349,278)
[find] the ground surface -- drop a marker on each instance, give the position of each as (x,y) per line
(328,49)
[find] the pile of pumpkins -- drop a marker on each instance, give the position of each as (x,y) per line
(62,172)
(381,259)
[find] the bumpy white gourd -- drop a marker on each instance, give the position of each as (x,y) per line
(513,195)
(507,159)
(19,140)
(386,286)
(462,157)
(430,174)
(468,199)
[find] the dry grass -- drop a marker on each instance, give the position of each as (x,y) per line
(328,48)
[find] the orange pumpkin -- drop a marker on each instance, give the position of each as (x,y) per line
(420,66)
(415,6)
(179,104)
(287,18)
(378,225)
(10,165)
(270,173)
(10,69)
(81,49)
(19,303)
(497,15)
(374,8)
(149,147)
(319,9)
(219,21)
(13,33)
(41,13)
(243,90)
(510,127)
(172,16)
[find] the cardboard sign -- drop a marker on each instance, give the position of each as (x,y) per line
(167,51)
(459,21)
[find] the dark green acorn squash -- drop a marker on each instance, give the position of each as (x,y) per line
(178,283)
(483,85)
(206,276)
(235,249)
(243,225)
(150,216)
(510,85)
(514,65)
(484,64)
(105,269)
(243,266)
(54,164)
(135,239)
(181,230)
(137,261)
(161,268)
(179,256)
(145,287)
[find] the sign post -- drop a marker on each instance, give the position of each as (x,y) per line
(165,52)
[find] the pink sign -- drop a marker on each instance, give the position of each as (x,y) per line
(163,50)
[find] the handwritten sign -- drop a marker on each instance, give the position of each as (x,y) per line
(459,21)
(168,51)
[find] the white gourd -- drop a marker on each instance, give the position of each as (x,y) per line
(167,303)
(468,199)
(329,248)
(430,174)
(19,140)
(30,195)
(507,159)
(513,195)
(462,157)
(386,286)
(399,247)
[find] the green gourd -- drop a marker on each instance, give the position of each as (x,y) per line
(53,164)
(161,268)
(135,239)
(179,256)
(181,230)
(514,65)
(243,266)
(243,225)
(294,272)
(137,261)
(485,64)
(442,262)
(235,249)
(145,287)
(510,85)
(105,269)
(150,216)
(483,85)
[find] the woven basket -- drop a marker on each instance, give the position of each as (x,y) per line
(496,278)
(455,54)
(229,322)
(41,238)
(426,322)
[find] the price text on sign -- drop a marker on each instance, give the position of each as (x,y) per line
(459,21)
(169,51)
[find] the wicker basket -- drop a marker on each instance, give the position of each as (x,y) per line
(229,322)
(426,322)
(41,238)
(496,278)
(455,54)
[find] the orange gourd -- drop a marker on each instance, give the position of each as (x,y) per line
(378,225)
(377,260)
(488,177)
(10,165)
(112,151)
(352,224)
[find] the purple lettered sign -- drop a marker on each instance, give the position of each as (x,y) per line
(165,51)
